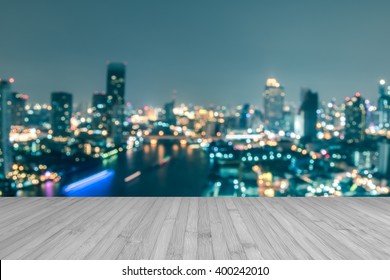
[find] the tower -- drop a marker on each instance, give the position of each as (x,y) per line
(384,105)
(5,127)
(308,112)
(18,108)
(61,103)
(355,123)
(170,117)
(116,76)
(384,157)
(244,116)
(99,111)
(273,104)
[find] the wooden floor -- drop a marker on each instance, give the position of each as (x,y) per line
(194,228)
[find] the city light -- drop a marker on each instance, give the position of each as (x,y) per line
(315,148)
(76,186)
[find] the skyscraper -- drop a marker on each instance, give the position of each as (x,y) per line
(308,112)
(99,111)
(384,105)
(61,103)
(116,75)
(244,116)
(18,108)
(355,115)
(170,117)
(5,126)
(382,87)
(288,119)
(384,158)
(273,104)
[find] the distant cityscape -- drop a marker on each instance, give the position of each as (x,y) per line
(315,146)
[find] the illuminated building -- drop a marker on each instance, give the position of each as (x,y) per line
(18,104)
(308,111)
(273,104)
(355,115)
(61,103)
(37,115)
(116,76)
(288,119)
(5,126)
(169,115)
(332,116)
(384,158)
(298,125)
(384,105)
(99,111)
(116,73)
(244,116)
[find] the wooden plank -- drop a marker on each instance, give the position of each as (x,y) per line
(28,216)
(255,225)
(364,231)
(164,237)
(234,245)
(176,243)
(245,237)
(324,228)
(195,228)
(104,234)
(72,231)
(219,241)
(141,243)
(24,242)
(306,244)
(205,251)
(82,230)
(116,238)
(191,233)
(274,232)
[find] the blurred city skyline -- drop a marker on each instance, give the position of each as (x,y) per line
(210,52)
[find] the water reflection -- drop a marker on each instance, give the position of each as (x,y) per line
(184,172)
(48,189)
(161,152)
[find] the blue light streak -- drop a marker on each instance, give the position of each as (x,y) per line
(87,183)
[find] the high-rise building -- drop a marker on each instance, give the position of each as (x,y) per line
(288,119)
(18,108)
(170,117)
(244,116)
(99,111)
(308,111)
(38,115)
(330,113)
(116,76)
(61,103)
(5,127)
(384,158)
(273,105)
(355,115)
(382,87)
(384,105)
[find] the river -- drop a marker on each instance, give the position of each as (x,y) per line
(185,174)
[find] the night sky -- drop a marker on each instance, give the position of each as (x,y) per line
(210,51)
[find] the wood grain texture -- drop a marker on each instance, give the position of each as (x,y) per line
(194,228)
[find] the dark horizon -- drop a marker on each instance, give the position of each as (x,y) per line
(209,52)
